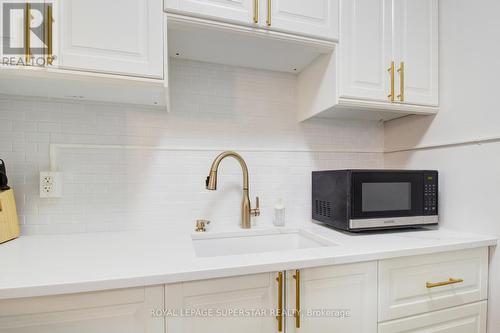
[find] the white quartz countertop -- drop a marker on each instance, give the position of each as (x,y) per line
(58,264)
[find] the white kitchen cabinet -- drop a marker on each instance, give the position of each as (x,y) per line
(342,298)
(104,51)
(210,301)
(238,11)
(115,311)
(334,299)
(106,36)
(413,285)
(376,33)
(470,318)
(365,49)
(385,66)
(315,18)
(416,45)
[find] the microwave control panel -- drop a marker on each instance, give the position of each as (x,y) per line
(430,194)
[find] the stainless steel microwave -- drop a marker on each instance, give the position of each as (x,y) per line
(360,200)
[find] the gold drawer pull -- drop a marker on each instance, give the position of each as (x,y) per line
(256,11)
(391,74)
(444,283)
(297,298)
(269,9)
(401,71)
(279,317)
(49,35)
(27,32)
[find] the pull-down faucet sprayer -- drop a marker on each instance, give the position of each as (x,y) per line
(211,184)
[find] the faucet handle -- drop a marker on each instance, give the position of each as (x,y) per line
(256,210)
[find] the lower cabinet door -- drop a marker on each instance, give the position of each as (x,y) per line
(241,304)
(115,311)
(333,299)
(470,318)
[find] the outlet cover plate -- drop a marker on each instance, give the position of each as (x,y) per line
(51,184)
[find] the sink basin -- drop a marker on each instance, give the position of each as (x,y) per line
(256,241)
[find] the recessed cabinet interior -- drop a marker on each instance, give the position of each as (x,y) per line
(282,35)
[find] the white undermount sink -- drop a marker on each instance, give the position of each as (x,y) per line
(255,241)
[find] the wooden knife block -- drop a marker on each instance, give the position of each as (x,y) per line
(9,222)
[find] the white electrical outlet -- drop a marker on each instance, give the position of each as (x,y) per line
(50,184)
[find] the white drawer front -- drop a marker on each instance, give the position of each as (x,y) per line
(470,318)
(402,282)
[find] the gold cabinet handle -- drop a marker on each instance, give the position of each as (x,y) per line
(279,317)
(269,5)
(391,73)
(297,298)
(401,71)
(27,32)
(443,283)
(256,11)
(49,35)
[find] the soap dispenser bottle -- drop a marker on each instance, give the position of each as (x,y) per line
(279,214)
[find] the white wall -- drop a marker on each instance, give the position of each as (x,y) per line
(214,107)
(469,174)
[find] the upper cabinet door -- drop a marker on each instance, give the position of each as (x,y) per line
(238,11)
(365,49)
(315,18)
(416,44)
(107,36)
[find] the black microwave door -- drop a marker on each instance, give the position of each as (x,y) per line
(386,194)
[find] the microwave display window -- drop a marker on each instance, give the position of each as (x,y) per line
(381,197)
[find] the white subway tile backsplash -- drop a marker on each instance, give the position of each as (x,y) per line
(214,107)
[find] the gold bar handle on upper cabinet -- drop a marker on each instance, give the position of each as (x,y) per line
(391,73)
(279,316)
(401,71)
(429,285)
(27,32)
(297,298)
(269,8)
(49,34)
(256,11)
